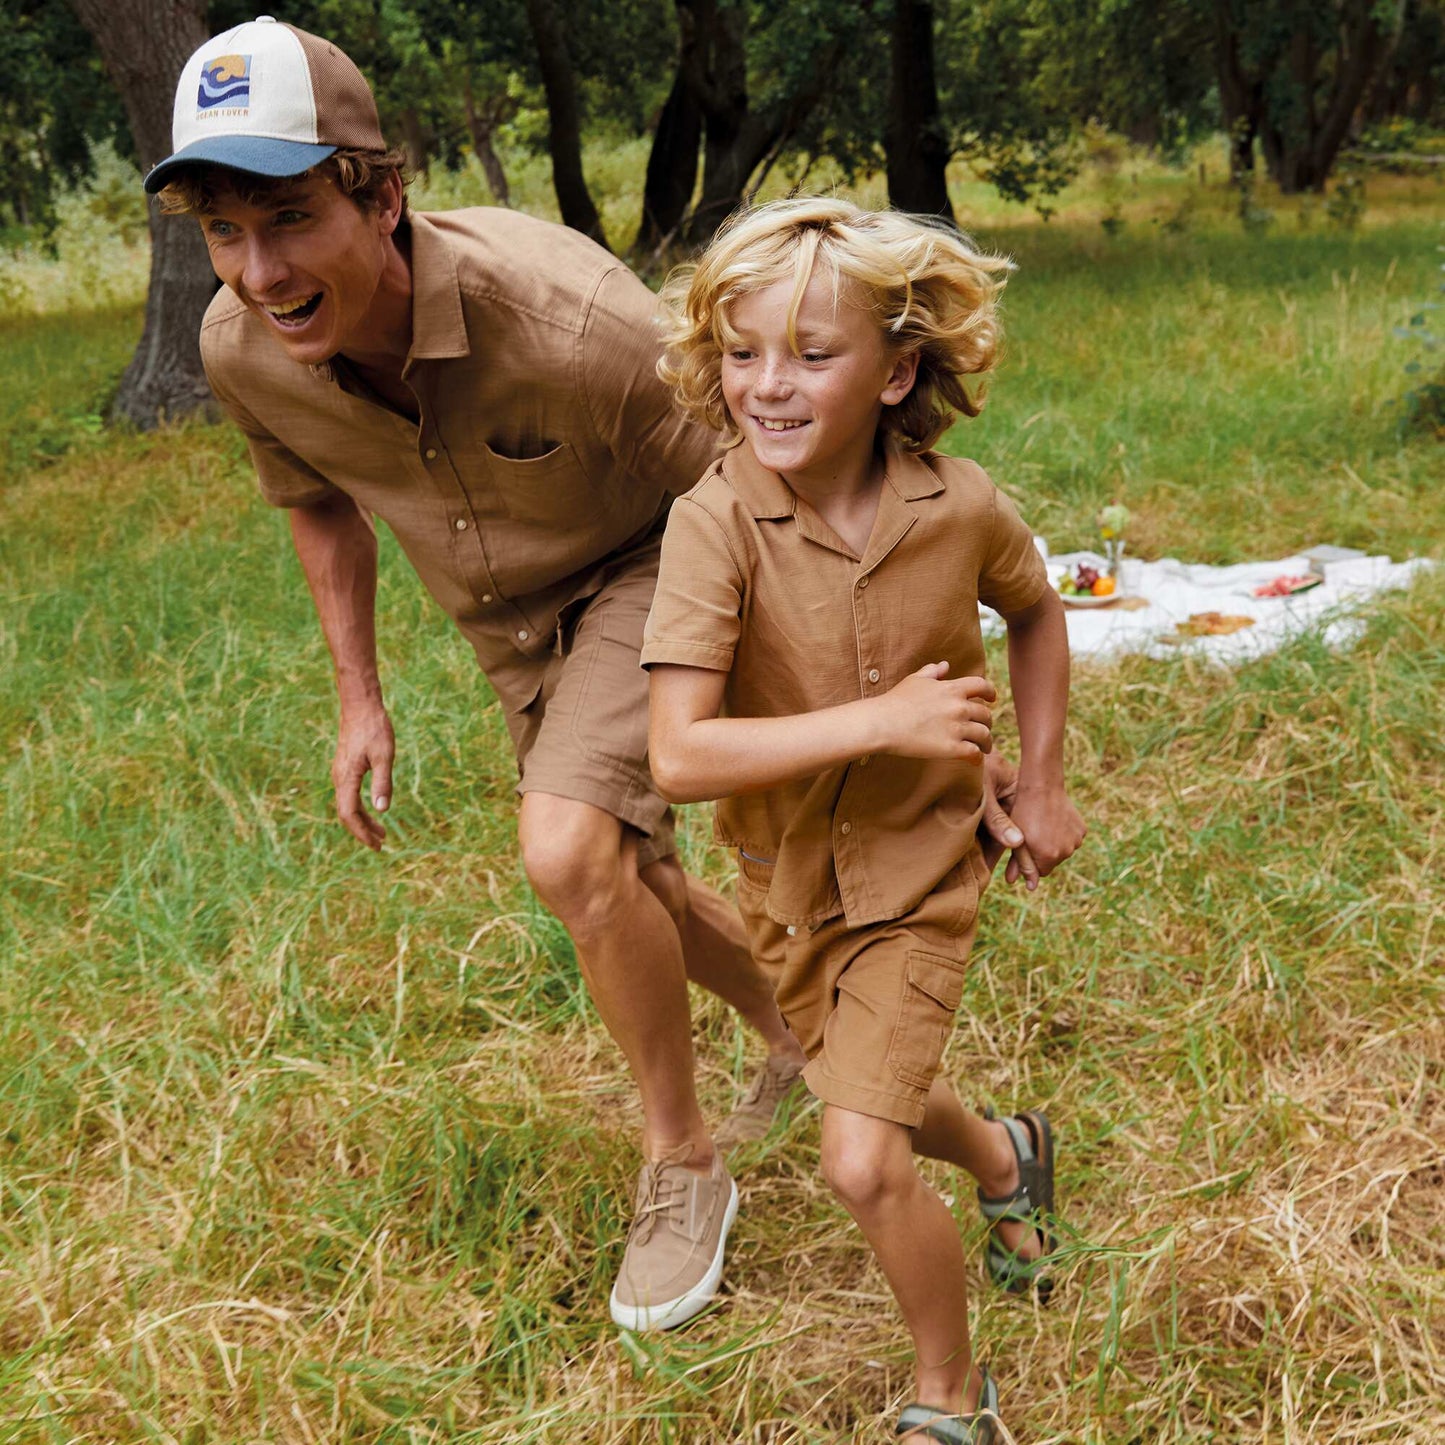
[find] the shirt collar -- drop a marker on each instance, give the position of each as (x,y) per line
(767,495)
(438,327)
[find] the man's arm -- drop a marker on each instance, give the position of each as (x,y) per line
(695,754)
(1038,664)
(337,549)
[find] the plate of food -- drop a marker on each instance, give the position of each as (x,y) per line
(1086,585)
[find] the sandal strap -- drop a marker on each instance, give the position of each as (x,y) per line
(1020,1206)
(977,1429)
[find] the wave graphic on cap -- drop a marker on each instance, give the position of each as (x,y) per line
(226,80)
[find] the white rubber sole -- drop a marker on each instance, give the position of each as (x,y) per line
(668,1314)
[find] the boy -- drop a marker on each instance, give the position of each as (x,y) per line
(815,653)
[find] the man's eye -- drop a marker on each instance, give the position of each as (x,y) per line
(289,218)
(219,230)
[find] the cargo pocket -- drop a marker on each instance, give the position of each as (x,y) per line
(931,991)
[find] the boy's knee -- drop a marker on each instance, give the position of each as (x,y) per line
(860,1173)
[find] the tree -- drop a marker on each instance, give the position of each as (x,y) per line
(54,104)
(915,142)
(144,44)
(1294,72)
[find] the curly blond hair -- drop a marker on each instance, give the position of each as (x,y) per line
(930,291)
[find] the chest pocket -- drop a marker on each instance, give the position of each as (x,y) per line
(547,490)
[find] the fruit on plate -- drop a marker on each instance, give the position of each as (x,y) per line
(1086,580)
(1286,586)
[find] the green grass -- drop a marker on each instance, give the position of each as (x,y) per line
(302,1144)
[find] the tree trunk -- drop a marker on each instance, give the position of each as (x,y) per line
(144,44)
(417,140)
(1239,99)
(671,165)
(914,142)
(481,123)
(564,139)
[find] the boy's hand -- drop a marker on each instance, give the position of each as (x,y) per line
(933,716)
(1052,829)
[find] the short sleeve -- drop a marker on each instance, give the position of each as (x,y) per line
(1013,576)
(285,480)
(630,408)
(697,609)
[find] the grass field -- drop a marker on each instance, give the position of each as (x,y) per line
(302,1144)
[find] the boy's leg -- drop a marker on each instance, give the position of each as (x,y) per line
(982,1147)
(868,1163)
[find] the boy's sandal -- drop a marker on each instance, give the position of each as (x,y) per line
(1032,1203)
(980,1428)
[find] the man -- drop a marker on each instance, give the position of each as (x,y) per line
(484,382)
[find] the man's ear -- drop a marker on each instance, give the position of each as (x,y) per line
(389,203)
(900,379)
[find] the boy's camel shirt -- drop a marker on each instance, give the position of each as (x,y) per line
(546,444)
(754,583)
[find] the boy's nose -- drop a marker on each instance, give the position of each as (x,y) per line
(772,380)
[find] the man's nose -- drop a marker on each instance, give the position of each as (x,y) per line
(265,266)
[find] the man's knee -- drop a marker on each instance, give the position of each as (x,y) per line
(668,884)
(577,859)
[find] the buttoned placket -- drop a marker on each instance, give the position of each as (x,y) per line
(895,518)
(467,537)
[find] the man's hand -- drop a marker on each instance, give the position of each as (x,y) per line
(932,716)
(365,744)
(998,831)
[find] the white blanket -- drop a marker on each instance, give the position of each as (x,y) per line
(1176,590)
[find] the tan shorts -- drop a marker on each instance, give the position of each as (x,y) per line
(872,1007)
(583,735)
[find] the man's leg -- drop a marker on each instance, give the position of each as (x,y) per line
(583,864)
(716,955)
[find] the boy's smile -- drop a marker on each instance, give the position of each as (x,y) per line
(811,414)
(323,272)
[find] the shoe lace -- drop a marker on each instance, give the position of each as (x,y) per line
(664,1192)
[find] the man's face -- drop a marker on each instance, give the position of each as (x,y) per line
(307,261)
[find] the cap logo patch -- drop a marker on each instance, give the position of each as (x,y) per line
(225,81)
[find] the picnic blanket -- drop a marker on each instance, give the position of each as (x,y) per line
(1174,591)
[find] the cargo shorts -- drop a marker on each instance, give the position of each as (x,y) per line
(872,1007)
(581,731)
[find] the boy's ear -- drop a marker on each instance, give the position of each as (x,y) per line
(900,379)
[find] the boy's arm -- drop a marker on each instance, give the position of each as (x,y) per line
(1038,664)
(694,754)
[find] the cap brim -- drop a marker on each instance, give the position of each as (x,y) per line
(253,155)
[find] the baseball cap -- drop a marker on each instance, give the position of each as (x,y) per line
(268,99)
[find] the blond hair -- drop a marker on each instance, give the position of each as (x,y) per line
(924,284)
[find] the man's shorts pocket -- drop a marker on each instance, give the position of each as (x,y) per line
(932,988)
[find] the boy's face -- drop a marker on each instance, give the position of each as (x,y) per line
(307,260)
(811,416)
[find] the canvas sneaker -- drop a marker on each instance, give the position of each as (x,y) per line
(674,1258)
(772,1088)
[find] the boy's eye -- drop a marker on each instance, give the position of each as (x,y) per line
(815,356)
(740,353)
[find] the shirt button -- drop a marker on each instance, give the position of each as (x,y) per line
(846,829)
(522,634)
(863,761)
(862,582)
(461,524)
(486,596)
(874,674)
(431,454)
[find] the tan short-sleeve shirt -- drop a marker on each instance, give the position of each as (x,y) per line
(754,583)
(546,444)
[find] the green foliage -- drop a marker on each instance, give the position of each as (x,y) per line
(1422,405)
(55,103)
(1346,204)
